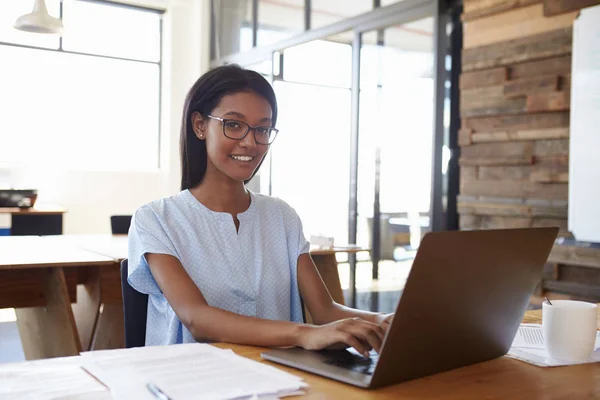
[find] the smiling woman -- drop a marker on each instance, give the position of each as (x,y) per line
(221,263)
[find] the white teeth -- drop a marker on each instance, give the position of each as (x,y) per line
(242,158)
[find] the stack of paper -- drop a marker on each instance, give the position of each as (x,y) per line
(49,379)
(187,371)
(528,346)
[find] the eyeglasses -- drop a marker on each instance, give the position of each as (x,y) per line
(237,130)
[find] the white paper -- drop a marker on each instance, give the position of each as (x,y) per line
(49,380)
(529,336)
(528,346)
(185,371)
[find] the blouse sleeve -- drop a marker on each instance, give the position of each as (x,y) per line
(296,240)
(146,235)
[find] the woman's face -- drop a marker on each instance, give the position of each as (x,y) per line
(234,159)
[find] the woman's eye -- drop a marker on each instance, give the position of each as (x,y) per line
(262,131)
(232,125)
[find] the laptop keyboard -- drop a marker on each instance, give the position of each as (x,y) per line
(353,361)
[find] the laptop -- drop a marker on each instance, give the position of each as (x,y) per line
(462,304)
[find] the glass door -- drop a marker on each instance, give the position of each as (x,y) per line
(395,145)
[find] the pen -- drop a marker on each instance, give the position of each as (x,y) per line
(156,392)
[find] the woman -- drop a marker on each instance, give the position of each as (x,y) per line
(223,264)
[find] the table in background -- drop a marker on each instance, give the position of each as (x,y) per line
(38,220)
(54,271)
(327,265)
(40,279)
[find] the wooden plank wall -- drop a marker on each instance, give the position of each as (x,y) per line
(514,135)
(514,105)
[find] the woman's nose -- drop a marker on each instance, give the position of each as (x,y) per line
(248,140)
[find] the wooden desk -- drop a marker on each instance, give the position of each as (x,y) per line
(502,378)
(37,220)
(40,279)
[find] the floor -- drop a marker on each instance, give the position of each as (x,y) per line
(381,295)
(10,344)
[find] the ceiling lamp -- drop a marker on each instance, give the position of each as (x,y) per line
(39,21)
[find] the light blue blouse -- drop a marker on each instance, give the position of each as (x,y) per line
(251,272)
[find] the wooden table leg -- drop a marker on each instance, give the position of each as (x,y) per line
(87,309)
(49,331)
(110,329)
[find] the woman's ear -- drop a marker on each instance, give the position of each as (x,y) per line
(199,125)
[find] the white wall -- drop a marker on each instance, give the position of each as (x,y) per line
(92,196)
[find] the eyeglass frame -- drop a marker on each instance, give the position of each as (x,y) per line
(250,128)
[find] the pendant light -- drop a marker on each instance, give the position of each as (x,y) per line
(39,21)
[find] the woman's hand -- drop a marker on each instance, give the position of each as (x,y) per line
(385,321)
(351,332)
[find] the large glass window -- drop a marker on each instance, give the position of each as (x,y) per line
(395,136)
(232,26)
(325,12)
(310,159)
(133,33)
(278,20)
(74,110)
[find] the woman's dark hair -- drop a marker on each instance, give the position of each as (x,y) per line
(204,97)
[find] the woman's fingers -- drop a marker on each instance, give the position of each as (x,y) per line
(366,332)
(351,340)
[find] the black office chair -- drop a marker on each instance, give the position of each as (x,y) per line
(119,224)
(135,311)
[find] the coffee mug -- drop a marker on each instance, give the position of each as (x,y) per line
(569,329)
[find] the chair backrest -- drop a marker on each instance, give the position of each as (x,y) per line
(135,311)
(119,224)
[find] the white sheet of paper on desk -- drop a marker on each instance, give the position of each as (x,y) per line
(45,381)
(528,346)
(184,371)
(529,336)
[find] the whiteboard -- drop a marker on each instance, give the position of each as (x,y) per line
(584,152)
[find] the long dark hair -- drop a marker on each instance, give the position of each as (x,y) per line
(204,97)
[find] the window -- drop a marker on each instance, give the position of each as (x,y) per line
(90,103)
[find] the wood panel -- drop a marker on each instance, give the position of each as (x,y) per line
(523,87)
(529,121)
(499,149)
(49,331)
(468,137)
(515,189)
(473,221)
(487,77)
(25,288)
(511,210)
(86,310)
(556,101)
(511,172)
(550,66)
(545,45)
(572,255)
(515,89)
(556,7)
(110,332)
(474,9)
(110,284)
(485,92)
(513,24)
(534,102)
(550,174)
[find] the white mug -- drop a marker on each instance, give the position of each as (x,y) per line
(569,329)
